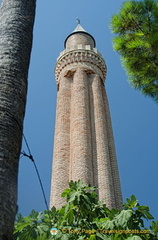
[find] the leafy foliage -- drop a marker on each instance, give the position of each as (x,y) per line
(136,27)
(84,217)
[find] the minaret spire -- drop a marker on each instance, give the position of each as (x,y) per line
(84,146)
(79,27)
(83,34)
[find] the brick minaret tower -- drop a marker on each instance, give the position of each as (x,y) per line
(84,146)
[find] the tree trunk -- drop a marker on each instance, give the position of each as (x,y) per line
(16,26)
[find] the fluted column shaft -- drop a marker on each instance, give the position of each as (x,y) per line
(61,156)
(112,154)
(105,180)
(80,131)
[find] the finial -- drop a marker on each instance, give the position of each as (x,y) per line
(78,20)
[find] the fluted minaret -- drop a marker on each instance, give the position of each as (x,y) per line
(84,146)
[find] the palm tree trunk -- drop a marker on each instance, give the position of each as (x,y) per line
(16,26)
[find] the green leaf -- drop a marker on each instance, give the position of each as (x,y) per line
(145,211)
(34,214)
(122,218)
(43,237)
(20,226)
(154,226)
(42,228)
(65,193)
(81,238)
(19,217)
(102,236)
(70,216)
(92,237)
(65,237)
(109,224)
(132,202)
(135,237)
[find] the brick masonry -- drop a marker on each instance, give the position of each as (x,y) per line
(84,146)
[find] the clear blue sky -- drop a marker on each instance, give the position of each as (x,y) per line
(134,117)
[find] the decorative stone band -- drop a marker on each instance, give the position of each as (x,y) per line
(90,58)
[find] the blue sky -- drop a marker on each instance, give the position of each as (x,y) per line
(134,117)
